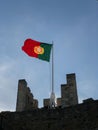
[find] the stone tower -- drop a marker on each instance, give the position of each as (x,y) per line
(69,95)
(25,99)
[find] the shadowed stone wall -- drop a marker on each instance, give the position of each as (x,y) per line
(69,94)
(25,99)
(79,117)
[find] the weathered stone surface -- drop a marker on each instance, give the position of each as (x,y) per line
(79,117)
(68,115)
(25,99)
(69,94)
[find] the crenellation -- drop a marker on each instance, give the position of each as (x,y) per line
(82,116)
(69,91)
(67,115)
(25,99)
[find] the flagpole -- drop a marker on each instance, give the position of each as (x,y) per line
(52,96)
(52,68)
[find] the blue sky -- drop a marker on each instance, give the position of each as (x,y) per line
(71,24)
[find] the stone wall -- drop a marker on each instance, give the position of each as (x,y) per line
(25,99)
(69,94)
(79,117)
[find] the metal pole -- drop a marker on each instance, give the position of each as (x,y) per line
(52,97)
(52,68)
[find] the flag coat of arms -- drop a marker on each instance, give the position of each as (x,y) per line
(37,49)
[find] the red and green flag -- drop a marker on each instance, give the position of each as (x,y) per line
(37,49)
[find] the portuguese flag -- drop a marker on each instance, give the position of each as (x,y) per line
(37,49)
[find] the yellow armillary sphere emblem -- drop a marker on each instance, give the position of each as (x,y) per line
(38,50)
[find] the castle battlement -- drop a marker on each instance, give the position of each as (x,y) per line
(26,101)
(67,115)
(79,117)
